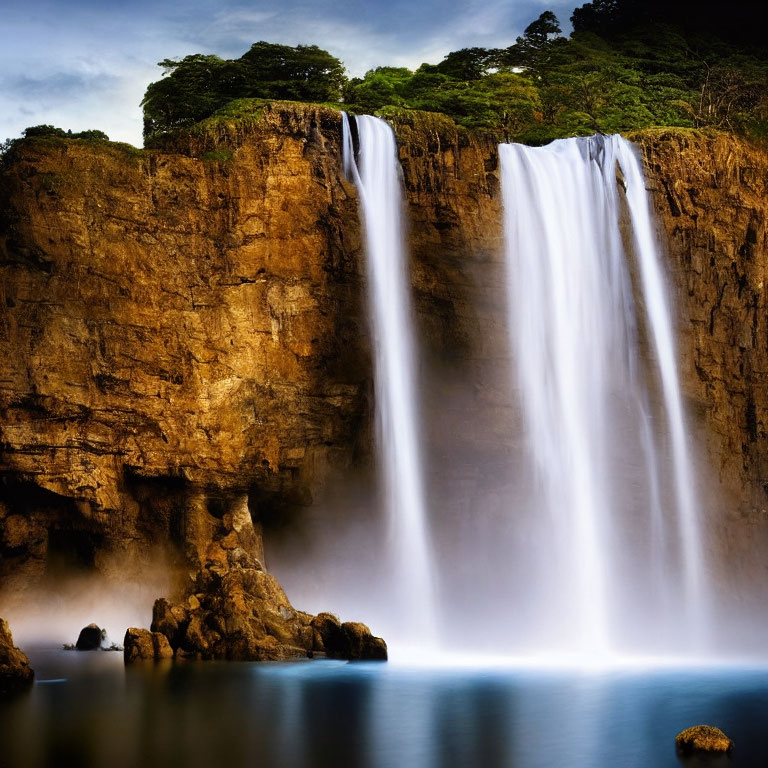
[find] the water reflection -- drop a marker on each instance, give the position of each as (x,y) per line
(318,714)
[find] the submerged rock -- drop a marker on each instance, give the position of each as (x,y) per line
(15,672)
(702,738)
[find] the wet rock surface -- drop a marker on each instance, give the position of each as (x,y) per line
(173,328)
(710,193)
(15,672)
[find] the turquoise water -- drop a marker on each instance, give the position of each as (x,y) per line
(87,710)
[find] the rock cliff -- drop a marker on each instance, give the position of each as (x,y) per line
(177,334)
(182,333)
(711,195)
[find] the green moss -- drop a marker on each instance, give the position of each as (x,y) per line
(223,155)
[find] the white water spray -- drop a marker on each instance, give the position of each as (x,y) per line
(377,177)
(585,401)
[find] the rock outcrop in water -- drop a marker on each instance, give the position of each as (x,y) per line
(703,738)
(90,638)
(183,344)
(233,609)
(15,672)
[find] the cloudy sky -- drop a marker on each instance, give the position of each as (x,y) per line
(82,64)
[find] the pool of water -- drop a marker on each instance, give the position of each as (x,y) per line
(86,709)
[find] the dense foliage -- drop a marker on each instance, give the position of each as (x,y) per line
(628,64)
(198,85)
(618,71)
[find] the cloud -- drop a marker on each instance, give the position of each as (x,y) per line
(55,88)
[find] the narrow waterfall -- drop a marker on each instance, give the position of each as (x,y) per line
(377,177)
(604,424)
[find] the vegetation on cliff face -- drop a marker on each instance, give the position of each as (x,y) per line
(627,65)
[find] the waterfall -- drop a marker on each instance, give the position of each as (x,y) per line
(377,177)
(604,424)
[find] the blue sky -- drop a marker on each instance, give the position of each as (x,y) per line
(85,63)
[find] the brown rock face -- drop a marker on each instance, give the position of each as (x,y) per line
(142,645)
(711,194)
(15,672)
(177,336)
(184,353)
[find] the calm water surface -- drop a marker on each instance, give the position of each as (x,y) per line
(87,710)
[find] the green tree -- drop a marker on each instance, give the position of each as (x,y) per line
(383,86)
(195,87)
(468,63)
(303,73)
(190,90)
(534,51)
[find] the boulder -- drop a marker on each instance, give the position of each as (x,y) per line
(143,645)
(361,644)
(15,672)
(161,647)
(90,638)
(703,738)
(231,608)
(241,613)
(351,640)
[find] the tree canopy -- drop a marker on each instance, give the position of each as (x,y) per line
(196,86)
(627,64)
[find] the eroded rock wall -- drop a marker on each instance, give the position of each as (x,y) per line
(710,194)
(174,332)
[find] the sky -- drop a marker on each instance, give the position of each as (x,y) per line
(82,64)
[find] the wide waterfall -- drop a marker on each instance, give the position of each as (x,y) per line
(613,496)
(377,177)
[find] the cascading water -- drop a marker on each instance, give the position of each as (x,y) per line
(377,177)
(590,407)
